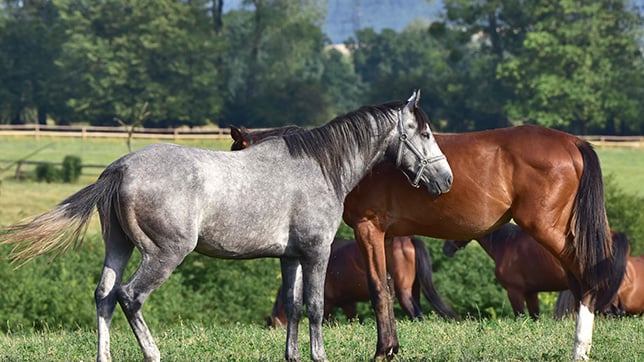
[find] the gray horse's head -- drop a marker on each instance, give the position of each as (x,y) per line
(417,153)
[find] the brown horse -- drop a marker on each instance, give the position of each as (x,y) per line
(346,281)
(629,299)
(522,265)
(548,181)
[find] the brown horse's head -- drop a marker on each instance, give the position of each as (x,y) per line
(450,247)
(244,138)
(241,138)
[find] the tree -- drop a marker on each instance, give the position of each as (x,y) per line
(30,38)
(492,30)
(275,63)
(580,69)
(121,55)
(392,64)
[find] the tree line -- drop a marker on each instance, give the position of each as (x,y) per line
(575,65)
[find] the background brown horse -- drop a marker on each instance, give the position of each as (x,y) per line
(346,281)
(629,299)
(522,266)
(548,181)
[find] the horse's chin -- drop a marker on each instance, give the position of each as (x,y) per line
(437,188)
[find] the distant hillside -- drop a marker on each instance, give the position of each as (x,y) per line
(344,17)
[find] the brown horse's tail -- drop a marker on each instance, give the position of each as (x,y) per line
(63,226)
(565,305)
(425,279)
(277,319)
(602,260)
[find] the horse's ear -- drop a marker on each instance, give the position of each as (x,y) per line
(412,102)
(235,133)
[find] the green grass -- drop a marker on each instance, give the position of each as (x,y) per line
(626,165)
(433,340)
(19,200)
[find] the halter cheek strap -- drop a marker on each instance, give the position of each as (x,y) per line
(405,141)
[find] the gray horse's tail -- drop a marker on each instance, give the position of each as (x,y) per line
(63,226)
(425,279)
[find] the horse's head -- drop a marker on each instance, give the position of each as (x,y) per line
(417,153)
(244,138)
(450,247)
(241,138)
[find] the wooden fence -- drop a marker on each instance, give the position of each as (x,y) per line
(84,132)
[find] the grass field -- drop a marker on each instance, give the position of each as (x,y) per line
(432,340)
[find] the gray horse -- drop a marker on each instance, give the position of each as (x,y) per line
(282,198)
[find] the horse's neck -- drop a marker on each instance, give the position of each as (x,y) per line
(357,166)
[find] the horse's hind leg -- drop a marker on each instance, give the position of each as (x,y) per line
(118,250)
(157,264)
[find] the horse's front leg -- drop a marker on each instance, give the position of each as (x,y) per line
(313,274)
(584,329)
(372,245)
(292,295)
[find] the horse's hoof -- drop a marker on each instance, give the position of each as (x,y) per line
(387,356)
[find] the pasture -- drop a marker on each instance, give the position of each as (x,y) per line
(504,339)
(226,325)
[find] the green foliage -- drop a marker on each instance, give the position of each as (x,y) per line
(625,213)
(72,168)
(70,172)
(163,53)
(47,172)
(276,63)
(570,74)
(572,64)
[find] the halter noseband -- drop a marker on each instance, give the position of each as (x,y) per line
(406,141)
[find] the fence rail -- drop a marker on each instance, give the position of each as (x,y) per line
(36,130)
(84,132)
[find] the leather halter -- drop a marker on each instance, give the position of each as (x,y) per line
(405,141)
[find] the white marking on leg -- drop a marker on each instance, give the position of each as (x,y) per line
(583,334)
(108,281)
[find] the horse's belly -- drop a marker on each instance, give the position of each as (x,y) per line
(242,248)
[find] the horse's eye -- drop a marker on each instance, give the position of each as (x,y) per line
(426,135)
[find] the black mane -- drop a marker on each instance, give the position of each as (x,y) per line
(346,135)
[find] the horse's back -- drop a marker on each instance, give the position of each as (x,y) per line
(496,172)
(199,197)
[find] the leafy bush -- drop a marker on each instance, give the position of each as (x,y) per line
(72,168)
(47,172)
(70,172)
